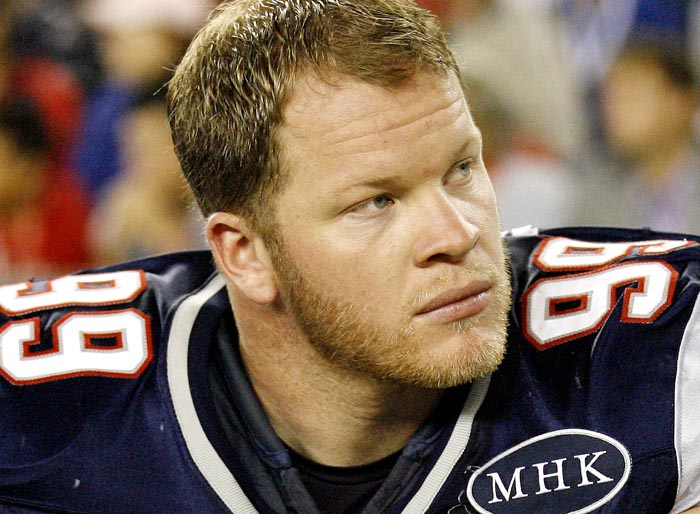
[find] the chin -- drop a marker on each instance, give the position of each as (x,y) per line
(463,351)
(441,361)
(465,364)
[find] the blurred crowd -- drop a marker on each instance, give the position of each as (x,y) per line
(88,176)
(589,110)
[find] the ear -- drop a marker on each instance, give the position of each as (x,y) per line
(242,257)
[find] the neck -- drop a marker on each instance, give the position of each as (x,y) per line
(329,415)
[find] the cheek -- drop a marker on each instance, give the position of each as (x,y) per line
(365,279)
(480,207)
(364,274)
(491,222)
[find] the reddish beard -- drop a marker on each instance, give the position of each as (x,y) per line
(349,336)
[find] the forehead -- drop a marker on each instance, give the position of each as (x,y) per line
(343,141)
(348,116)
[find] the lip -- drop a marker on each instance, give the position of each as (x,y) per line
(456,304)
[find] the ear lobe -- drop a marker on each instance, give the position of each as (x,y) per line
(241,257)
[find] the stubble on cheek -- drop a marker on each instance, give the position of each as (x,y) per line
(480,344)
(354,338)
(358,340)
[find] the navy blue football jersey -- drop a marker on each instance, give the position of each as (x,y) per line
(122,392)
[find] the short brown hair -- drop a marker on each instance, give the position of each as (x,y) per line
(226,98)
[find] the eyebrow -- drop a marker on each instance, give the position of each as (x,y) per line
(473,138)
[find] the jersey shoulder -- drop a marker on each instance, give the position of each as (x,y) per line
(74,346)
(167,277)
(572,249)
(86,385)
(568,283)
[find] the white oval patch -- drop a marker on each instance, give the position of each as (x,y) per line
(572,470)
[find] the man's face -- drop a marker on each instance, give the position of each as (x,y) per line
(388,250)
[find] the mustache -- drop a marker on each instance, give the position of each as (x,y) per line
(496,275)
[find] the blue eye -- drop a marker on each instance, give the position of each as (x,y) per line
(465,168)
(374,205)
(461,173)
(381,201)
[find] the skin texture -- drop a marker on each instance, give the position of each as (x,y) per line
(391,208)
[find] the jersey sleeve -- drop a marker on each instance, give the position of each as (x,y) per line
(687,432)
(75,345)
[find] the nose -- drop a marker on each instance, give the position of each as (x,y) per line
(444,232)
